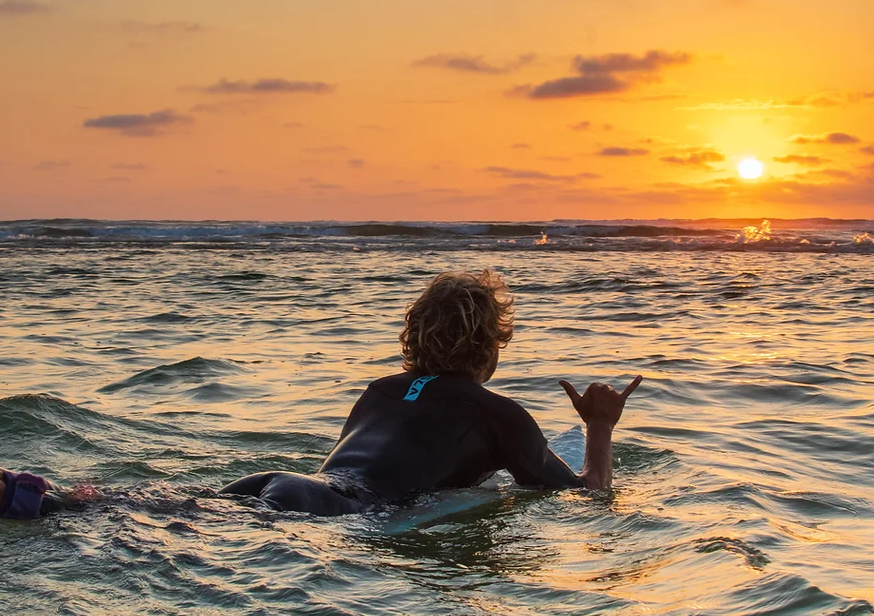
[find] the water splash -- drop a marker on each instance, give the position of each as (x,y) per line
(543,239)
(753,234)
(863,239)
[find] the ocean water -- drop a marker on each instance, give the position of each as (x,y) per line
(158,361)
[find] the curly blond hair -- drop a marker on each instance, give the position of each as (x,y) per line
(458,324)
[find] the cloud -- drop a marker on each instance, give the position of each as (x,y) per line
(227,107)
(581,126)
(657,141)
(605,74)
(293,125)
(868,149)
(165,27)
(139,124)
(431,102)
(801,159)
(586,125)
(567,87)
(355,163)
(530,174)
(267,86)
(699,158)
(651,62)
(116,179)
(327,149)
(839,174)
(473,64)
(617,151)
(317,184)
(129,166)
(830,138)
(795,190)
(821,99)
(21,8)
(52,165)
(521,146)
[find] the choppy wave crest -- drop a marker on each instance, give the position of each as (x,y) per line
(806,235)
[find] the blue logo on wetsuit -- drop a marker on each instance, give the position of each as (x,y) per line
(416,387)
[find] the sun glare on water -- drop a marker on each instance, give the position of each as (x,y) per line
(750,168)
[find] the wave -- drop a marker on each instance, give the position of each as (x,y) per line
(179,230)
(231,230)
(194,370)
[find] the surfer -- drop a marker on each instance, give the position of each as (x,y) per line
(433,426)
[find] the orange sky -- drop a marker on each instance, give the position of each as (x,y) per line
(435,109)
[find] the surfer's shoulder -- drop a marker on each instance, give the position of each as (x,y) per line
(394,385)
(498,402)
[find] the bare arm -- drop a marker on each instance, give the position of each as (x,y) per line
(600,408)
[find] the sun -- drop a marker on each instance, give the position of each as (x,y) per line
(750,168)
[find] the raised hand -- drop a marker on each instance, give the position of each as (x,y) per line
(600,403)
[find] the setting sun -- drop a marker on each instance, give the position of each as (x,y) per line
(750,168)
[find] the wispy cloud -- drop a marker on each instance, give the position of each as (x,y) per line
(139,124)
(319,185)
(651,62)
(620,151)
(530,174)
(227,107)
(330,149)
(129,166)
(587,125)
(521,146)
(801,159)
(52,165)
(868,149)
(355,163)
(828,188)
(838,174)
(134,26)
(605,74)
(568,87)
(820,99)
(829,138)
(699,158)
(473,64)
(267,86)
(21,8)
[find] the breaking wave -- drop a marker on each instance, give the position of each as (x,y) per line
(807,235)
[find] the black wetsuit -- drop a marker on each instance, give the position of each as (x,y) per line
(408,433)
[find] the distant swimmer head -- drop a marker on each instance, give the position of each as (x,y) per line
(458,325)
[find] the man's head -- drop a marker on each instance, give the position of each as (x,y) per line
(458,325)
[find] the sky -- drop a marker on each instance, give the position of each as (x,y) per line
(435,109)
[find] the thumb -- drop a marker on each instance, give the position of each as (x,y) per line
(571,391)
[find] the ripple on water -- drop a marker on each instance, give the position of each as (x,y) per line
(168,317)
(194,370)
(750,441)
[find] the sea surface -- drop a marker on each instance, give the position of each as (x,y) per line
(158,361)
